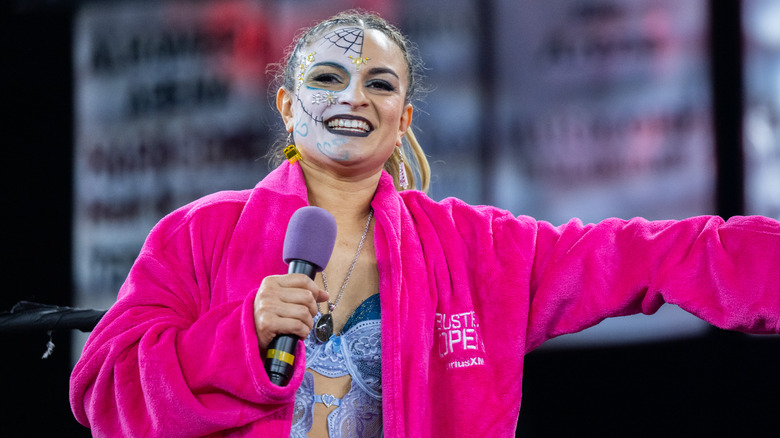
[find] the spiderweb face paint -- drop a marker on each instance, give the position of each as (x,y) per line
(351,40)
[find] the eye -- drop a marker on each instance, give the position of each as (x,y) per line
(381,84)
(327,78)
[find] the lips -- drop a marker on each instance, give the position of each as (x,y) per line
(348,125)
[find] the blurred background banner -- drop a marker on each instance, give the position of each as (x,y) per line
(761,21)
(603,110)
(449,120)
(170,104)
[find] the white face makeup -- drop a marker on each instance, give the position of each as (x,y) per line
(349,103)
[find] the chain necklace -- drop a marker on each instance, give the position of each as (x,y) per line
(324,328)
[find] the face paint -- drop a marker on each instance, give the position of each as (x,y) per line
(350,39)
(348,103)
(358,62)
(304,65)
(327,98)
(330,149)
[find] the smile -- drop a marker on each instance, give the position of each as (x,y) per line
(348,126)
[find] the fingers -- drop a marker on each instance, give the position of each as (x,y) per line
(286,304)
(268,326)
(322,296)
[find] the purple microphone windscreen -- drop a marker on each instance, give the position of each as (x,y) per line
(310,236)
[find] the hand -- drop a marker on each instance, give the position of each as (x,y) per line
(286,304)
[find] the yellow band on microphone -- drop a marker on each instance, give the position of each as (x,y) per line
(281,355)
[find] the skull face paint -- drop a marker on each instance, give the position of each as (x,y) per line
(350,95)
(329,78)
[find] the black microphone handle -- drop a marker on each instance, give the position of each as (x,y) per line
(280,356)
(302,267)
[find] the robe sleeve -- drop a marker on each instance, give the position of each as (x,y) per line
(725,272)
(166,362)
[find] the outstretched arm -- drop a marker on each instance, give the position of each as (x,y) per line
(725,272)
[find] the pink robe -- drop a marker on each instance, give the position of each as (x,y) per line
(465,293)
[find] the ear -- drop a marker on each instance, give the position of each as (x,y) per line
(406,122)
(284,100)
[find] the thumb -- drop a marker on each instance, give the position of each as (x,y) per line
(322,296)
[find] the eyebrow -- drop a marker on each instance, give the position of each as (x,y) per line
(381,70)
(328,64)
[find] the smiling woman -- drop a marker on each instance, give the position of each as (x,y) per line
(347,114)
(435,306)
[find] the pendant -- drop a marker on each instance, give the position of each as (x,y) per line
(324,328)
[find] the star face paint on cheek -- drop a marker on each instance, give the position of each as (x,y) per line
(327,98)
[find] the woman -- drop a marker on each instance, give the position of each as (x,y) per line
(465,292)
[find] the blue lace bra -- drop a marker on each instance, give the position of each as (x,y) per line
(355,352)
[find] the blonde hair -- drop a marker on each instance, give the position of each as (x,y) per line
(415,162)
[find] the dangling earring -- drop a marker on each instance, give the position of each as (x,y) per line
(402,181)
(291,152)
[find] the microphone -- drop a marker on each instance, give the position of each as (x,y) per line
(308,244)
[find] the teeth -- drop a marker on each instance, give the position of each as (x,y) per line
(349,124)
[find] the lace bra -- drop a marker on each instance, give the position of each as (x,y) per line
(355,352)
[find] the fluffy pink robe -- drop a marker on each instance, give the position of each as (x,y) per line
(465,292)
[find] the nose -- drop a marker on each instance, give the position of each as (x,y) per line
(354,95)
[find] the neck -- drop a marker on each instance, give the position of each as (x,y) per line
(348,199)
